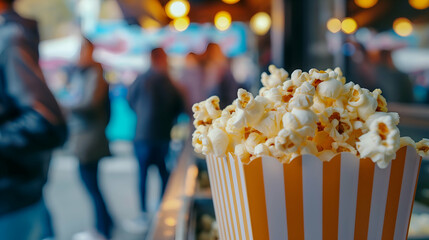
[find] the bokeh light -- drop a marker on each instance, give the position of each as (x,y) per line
(181,24)
(171,222)
(402,27)
(260,23)
(222,20)
(230,1)
(333,25)
(366,3)
(177,8)
(419,4)
(349,25)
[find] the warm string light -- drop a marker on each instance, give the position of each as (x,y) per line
(222,20)
(181,24)
(419,4)
(402,27)
(230,1)
(333,25)
(178,11)
(177,8)
(366,3)
(260,23)
(349,25)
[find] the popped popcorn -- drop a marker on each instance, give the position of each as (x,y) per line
(298,77)
(335,121)
(362,101)
(197,138)
(241,152)
(252,140)
(382,141)
(261,150)
(303,97)
(381,101)
(309,113)
(407,141)
(206,111)
(423,147)
(276,78)
(331,88)
(270,124)
(287,141)
(219,140)
(249,110)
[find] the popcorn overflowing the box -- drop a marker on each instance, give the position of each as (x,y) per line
(310,113)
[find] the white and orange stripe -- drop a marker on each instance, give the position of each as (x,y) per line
(343,199)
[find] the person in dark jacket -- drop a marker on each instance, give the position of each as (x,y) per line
(31,125)
(156,102)
(88,109)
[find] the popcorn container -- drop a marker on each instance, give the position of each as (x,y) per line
(344,198)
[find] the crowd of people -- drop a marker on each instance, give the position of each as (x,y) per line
(206,75)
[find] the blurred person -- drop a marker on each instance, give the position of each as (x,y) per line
(396,86)
(362,66)
(218,76)
(157,103)
(31,125)
(88,109)
(192,81)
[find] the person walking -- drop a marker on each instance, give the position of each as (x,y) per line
(31,126)
(157,103)
(88,109)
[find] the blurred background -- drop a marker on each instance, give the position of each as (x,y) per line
(378,44)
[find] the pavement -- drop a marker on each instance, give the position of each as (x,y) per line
(70,205)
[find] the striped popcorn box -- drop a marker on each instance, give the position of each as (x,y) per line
(345,198)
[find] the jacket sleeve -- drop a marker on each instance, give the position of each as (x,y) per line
(37,124)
